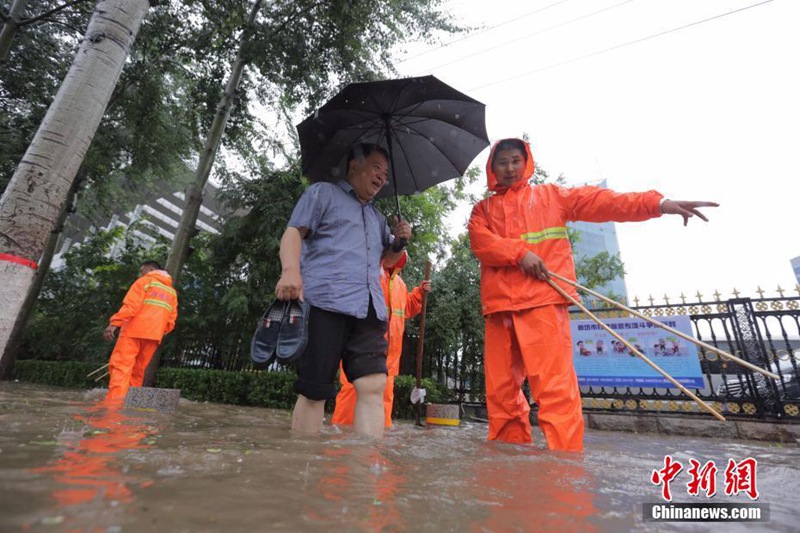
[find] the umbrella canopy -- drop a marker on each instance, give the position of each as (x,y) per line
(431,131)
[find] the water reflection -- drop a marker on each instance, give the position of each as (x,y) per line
(528,489)
(359,487)
(91,469)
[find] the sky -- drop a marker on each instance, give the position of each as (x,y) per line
(707,112)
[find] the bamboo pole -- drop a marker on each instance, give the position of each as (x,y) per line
(96,371)
(636,352)
(674,331)
(420,341)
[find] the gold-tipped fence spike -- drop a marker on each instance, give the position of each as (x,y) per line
(633,350)
(666,298)
(683,298)
(721,353)
(636,299)
(651,299)
(797,288)
(699,296)
(780,291)
(760,292)
(735,293)
(717,296)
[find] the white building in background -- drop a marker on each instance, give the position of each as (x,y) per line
(796,268)
(158,216)
(596,238)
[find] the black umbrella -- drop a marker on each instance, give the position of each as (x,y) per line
(431,131)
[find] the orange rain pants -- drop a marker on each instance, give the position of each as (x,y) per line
(127,365)
(533,343)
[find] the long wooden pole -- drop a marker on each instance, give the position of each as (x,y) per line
(421,340)
(636,352)
(674,331)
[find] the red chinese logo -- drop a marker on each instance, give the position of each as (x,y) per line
(703,478)
(665,475)
(739,477)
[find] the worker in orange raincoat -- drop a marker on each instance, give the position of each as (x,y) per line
(519,235)
(401,305)
(148,312)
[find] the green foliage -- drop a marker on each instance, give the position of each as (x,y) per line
(454,322)
(265,389)
(77,301)
(37,62)
(148,127)
(600,269)
(71,374)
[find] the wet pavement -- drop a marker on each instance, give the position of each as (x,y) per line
(69,464)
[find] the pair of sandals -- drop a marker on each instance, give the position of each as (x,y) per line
(281,335)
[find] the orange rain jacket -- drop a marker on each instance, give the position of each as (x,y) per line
(504,226)
(400,305)
(150,308)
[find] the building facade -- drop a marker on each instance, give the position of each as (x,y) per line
(158,216)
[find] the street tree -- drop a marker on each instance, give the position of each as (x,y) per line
(32,201)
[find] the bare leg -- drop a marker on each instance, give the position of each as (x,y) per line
(369,415)
(307,416)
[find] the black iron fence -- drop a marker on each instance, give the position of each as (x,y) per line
(763,331)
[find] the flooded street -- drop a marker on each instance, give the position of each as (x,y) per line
(69,464)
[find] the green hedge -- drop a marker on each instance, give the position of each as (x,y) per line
(59,374)
(263,389)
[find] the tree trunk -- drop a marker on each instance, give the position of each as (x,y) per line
(40,186)
(193,197)
(10,28)
(12,345)
(194,192)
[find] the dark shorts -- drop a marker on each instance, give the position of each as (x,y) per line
(359,343)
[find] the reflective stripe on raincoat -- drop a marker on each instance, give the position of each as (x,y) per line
(149,309)
(516,219)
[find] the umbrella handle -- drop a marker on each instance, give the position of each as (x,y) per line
(399,243)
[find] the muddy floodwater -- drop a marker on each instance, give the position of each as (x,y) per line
(69,464)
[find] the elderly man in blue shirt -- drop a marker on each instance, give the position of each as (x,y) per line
(330,257)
